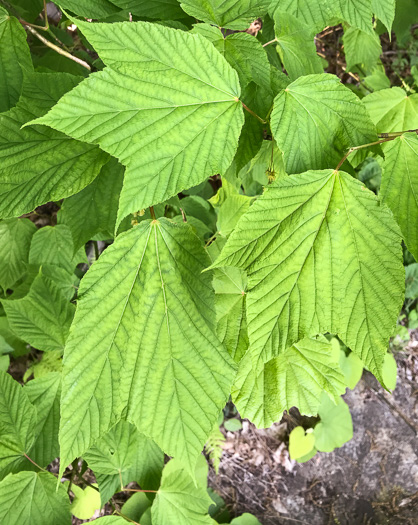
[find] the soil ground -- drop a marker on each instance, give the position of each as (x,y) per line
(373,479)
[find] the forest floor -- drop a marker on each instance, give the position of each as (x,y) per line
(373,479)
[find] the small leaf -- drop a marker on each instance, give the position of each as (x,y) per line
(352,368)
(15,59)
(86,502)
(15,239)
(43,317)
(233,425)
(361,48)
(332,119)
(335,427)
(233,14)
(37,164)
(29,497)
(136,505)
(385,12)
(245,519)
(389,371)
(17,426)
(197,113)
(300,443)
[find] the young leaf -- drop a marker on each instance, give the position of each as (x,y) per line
(30,497)
(167,87)
(335,427)
(233,14)
(300,443)
(86,502)
(310,246)
(315,120)
(399,188)
(124,455)
(180,500)
(95,208)
(44,393)
(15,59)
(43,317)
(392,110)
(297,377)
(38,164)
(296,46)
(15,239)
(141,346)
(17,426)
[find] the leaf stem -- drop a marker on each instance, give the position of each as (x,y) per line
(138,490)
(54,47)
(386,137)
(36,464)
(152,212)
(253,114)
(270,42)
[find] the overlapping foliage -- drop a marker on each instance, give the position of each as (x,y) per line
(247,258)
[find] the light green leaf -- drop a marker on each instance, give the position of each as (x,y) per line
(136,505)
(51,362)
(111,520)
(145,314)
(335,427)
(352,368)
(230,212)
(197,113)
(43,317)
(4,361)
(399,189)
(15,239)
(310,246)
(232,425)
(297,377)
(389,371)
(53,245)
(15,60)
(230,286)
(377,81)
(37,164)
(95,208)
(361,48)
(243,51)
(245,519)
(154,9)
(19,347)
(385,12)
(233,14)
(316,15)
(315,120)
(124,455)
(30,497)
(85,502)
(90,8)
(392,110)
(300,443)
(17,426)
(296,46)
(357,13)
(411,281)
(44,393)
(180,500)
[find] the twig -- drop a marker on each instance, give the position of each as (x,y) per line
(396,134)
(139,490)
(56,48)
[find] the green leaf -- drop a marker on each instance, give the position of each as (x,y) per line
(411,281)
(392,110)
(44,393)
(243,51)
(154,9)
(30,497)
(245,519)
(124,455)
(335,427)
(296,46)
(86,502)
(232,425)
(389,371)
(385,12)
(37,164)
(315,15)
(28,9)
(95,208)
(197,113)
(357,13)
(297,377)
(180,500)
(213,447)
(142,332)
(17,426)
(136,505)
(233,14)
(111,520)
(43,317)
(15,239)
(361,48)
(230,286)
(310,246)
(15,59)
(399,189)
(51,362)
(352,368)
(90,8)
(19,347)
(53,245)
(315,120)
(300,443)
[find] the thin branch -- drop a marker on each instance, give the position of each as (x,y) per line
(387,137)
(253,114)
(139,490)
(56,48)
(270,42)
